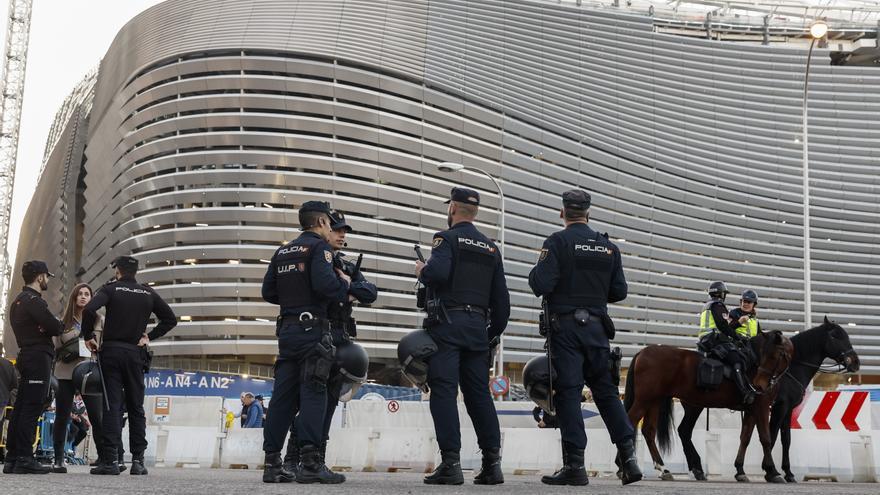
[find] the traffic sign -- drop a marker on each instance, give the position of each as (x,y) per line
(499,386)
(393,406)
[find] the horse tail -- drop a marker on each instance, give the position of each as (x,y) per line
(664,425)
(629,393)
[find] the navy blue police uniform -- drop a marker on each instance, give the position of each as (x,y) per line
(128,307)
(33,326)
(300,279)
(343,328)
(580,269)
(465,273)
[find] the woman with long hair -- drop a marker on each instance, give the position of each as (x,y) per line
(68,356)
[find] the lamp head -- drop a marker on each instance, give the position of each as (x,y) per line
(819,29)
(449,167)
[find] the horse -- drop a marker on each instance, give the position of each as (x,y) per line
(811,348)
(658,373)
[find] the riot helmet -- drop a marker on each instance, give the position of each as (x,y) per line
(412,351)
(718,290)
(86,378)
(537,378)
(353,363)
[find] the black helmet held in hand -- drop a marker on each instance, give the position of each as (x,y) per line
(412,351)
(353,363)
(718,290)
(537,377)
(87,379)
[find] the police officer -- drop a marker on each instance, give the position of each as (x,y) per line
(466,277)
(579,272)
(745,317)
(124,357)
(302,280)
(33,326)
(342,328)
(719,337)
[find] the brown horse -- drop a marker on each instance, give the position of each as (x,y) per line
(658,373)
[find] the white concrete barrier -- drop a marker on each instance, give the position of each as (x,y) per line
(242,447)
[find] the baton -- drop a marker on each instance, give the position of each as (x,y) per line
(103,384)
(418,250)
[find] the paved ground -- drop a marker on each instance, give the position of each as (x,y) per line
(170,481)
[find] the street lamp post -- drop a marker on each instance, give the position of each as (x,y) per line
(449,167)
(817,31)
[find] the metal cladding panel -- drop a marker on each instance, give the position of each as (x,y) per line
(214,120)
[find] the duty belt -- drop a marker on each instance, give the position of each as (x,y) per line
(307,320)
(467,308)
(570,316)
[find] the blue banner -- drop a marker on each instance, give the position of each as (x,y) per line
(168,382)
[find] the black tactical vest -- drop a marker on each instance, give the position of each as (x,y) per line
(586,267)
(474,258)
(293,264)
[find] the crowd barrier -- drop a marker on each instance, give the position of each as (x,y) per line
(381,436)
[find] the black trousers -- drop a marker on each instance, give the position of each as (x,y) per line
(35,366)
(332,402)
(292,389)
(581,354)
(63,405)
(462,358)
(123,369)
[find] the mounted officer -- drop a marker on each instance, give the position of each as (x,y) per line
(745,317)
(720,338)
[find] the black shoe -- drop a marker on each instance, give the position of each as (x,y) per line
(313,470)
(572,471)
(9,466)
(107,468)
(122,467)
(273,471)
(629,463)
(96,462)
(490,471)
(29,465)
(59,467)
(137,468)
(449,470)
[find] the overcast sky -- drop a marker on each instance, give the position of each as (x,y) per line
(68,37)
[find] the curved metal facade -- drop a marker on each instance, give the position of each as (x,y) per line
(213,121)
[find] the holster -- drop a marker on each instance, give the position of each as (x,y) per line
(608,325)
(421,297)
(320,362)
(147,358)
(351,328)
(434,314)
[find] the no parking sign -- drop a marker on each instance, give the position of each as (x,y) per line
(499,386)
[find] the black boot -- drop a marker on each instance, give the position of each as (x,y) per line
(313,470)
(58,466)
(449,470)
(108,465)
(490,471)
(745,388)
(29,465)
(291,457)
(629,463)
(137,466)
(273,471)
(572,471)
(9,465)
(120,460)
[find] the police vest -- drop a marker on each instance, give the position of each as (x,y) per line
(750,329)
(586,268)
(707,321)
(293,264)
(474,259)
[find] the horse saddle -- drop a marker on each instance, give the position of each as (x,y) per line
(711,372)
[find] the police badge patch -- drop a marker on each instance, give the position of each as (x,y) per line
(543,255)
(328,257)
(437,241)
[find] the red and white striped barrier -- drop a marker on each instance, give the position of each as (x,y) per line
(849,411)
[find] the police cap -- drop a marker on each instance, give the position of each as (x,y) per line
(464,195)
(124,262)
(35,267)
(338,221)
(319,206)
(576,198)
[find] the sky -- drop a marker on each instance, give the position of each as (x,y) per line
(68,38)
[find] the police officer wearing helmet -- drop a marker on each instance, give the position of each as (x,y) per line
(466,277)
(579,271)
(342,328)
(124,357)
(719,337)
(745,317)
(33,326)
(301,279)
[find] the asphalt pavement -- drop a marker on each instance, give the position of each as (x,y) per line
(172,481)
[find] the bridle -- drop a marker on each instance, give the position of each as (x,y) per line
(774,375)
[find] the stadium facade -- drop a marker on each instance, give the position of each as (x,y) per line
(212,122)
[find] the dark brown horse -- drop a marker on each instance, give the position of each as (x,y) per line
(660,373)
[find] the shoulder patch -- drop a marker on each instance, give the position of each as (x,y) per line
(437,241)
(543,255)
(328,256)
